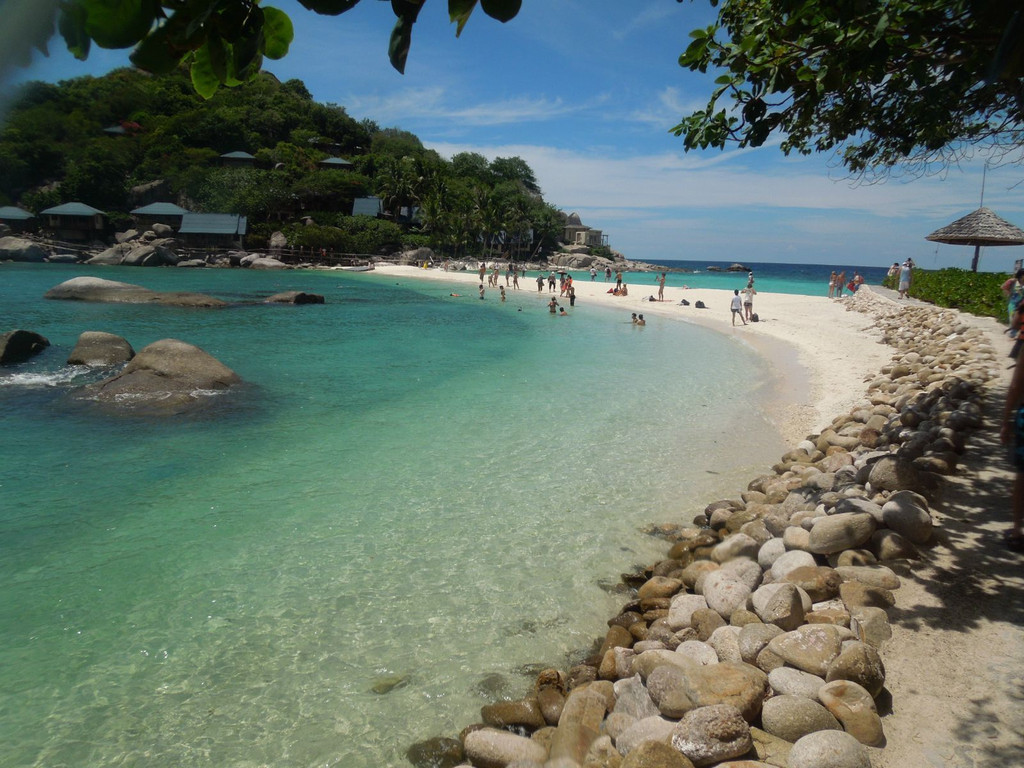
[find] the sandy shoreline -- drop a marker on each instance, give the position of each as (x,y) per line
(819,353)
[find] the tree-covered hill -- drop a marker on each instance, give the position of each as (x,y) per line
(126,139)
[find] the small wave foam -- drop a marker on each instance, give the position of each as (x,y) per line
(40,379)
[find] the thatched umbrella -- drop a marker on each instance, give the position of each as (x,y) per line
(982,227)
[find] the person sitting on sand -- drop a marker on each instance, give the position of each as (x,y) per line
(623,291)
(640,320)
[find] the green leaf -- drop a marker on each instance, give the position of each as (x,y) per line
(217,50)
(246,58)
(278,33)
(401,39)
(459,11)
(72,29)
(119,23)
(155,53)
(204,79)
(502,10)
(329,7)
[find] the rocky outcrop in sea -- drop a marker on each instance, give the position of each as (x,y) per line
(759,640)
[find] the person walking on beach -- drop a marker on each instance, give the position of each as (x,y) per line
(832,284)
(661,287)
(551,281)
(515,279)
(618,279)
(540,283)
(483,268)
(736,305)
(906,275)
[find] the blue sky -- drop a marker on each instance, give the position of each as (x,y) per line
(586,91)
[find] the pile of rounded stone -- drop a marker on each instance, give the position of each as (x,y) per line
(756,641)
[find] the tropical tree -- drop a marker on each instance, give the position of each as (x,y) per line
(915,83)
(515,169)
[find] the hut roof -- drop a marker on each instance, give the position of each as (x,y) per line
(238,155)
(160,209)
(336,162)
(212,224)
(72,209)
(981,227)
(13,213)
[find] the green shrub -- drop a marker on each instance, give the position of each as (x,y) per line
(977,293)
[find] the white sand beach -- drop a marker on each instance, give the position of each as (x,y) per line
(819,352)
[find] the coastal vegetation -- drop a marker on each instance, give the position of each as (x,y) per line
(127,139)
(977,293)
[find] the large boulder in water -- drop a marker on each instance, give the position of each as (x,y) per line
(99,350)
(20,249)
(294,297)
(18,346)
(168,376)
(150,255)
(262,262)
(111,291)
(112,256)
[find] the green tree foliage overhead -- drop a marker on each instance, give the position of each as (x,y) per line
(912,83)
(223,42)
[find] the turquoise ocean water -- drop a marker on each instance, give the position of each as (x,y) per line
(410,487)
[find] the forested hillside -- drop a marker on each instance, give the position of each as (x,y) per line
(127,139)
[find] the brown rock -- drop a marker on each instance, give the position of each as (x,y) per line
(855,709)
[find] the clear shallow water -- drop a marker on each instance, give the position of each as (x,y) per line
(410,485)
(801,279)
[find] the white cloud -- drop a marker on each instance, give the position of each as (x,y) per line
(433,106)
